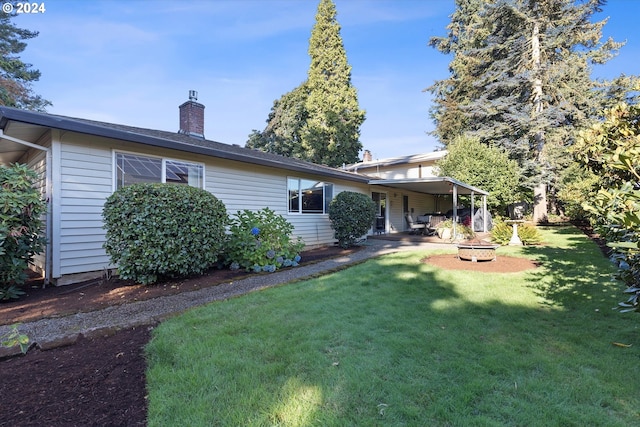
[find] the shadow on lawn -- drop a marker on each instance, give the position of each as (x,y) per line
(573,274)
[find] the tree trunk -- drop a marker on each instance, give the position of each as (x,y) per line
(540,191)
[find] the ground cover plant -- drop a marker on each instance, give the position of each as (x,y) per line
(396,341)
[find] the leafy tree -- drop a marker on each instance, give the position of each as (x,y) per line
(486,167)
(16,76)
(320,120)
(520,79)
(283,134)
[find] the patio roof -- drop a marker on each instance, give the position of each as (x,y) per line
(430,185)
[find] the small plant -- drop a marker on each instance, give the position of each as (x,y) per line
(462,230)
(351,216)
(502,232)
(163,230)
(10,292)
(13,338)
(261,241)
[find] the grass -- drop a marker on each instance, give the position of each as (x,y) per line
(396,342)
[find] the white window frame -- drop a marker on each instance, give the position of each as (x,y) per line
(325,202)
(164,160)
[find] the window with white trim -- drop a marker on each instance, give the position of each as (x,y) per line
(309,197)
(134,168)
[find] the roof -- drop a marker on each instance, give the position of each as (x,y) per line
(19,126)
(414,158)
(12,121)
(430,185)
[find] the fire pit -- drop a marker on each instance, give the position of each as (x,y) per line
(477,250)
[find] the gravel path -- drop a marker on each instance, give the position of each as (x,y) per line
(54,332)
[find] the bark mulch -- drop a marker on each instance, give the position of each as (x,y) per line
(100,380)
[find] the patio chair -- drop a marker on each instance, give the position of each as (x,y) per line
(414,226)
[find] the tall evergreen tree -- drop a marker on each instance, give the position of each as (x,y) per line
(320,120)
(16,76)
(332,132)
(527,86)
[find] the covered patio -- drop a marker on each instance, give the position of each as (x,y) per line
(444,191)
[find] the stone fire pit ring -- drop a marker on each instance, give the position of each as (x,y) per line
(477,251)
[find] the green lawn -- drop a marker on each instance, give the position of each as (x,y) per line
(396,342)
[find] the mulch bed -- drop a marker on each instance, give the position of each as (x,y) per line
(502,264)
(98,381)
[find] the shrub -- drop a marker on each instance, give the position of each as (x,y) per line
(502,232)
(21,226)
(163,230)
(351,216)
(261,241)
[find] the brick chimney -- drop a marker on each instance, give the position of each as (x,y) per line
(192,117)
(366,156)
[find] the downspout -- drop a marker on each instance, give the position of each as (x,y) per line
(48,175)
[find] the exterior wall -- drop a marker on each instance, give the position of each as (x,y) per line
(401,171)
(84,179)
(37,161)
(242,186)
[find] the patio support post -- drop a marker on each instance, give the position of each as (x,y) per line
(472,211)
(484,213)
(455,210)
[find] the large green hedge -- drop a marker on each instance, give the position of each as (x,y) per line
(21,226)
(163,230)
(351,216)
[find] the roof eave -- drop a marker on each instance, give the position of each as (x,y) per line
(67,124)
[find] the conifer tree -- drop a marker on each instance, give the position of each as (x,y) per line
(320,120)
(520,79)
(16,76)
(332,132)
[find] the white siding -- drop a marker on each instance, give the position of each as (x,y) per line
(85,183)
(401,171)
(241,186)
(84,180)
(419,204)
(36,160)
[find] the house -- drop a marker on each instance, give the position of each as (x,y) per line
(414,166)
(81,162)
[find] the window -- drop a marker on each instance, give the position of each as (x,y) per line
(309,197)
(133,169)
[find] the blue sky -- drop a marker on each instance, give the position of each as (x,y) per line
(133,62)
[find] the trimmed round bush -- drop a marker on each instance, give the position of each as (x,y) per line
(351,216)
(163,230)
